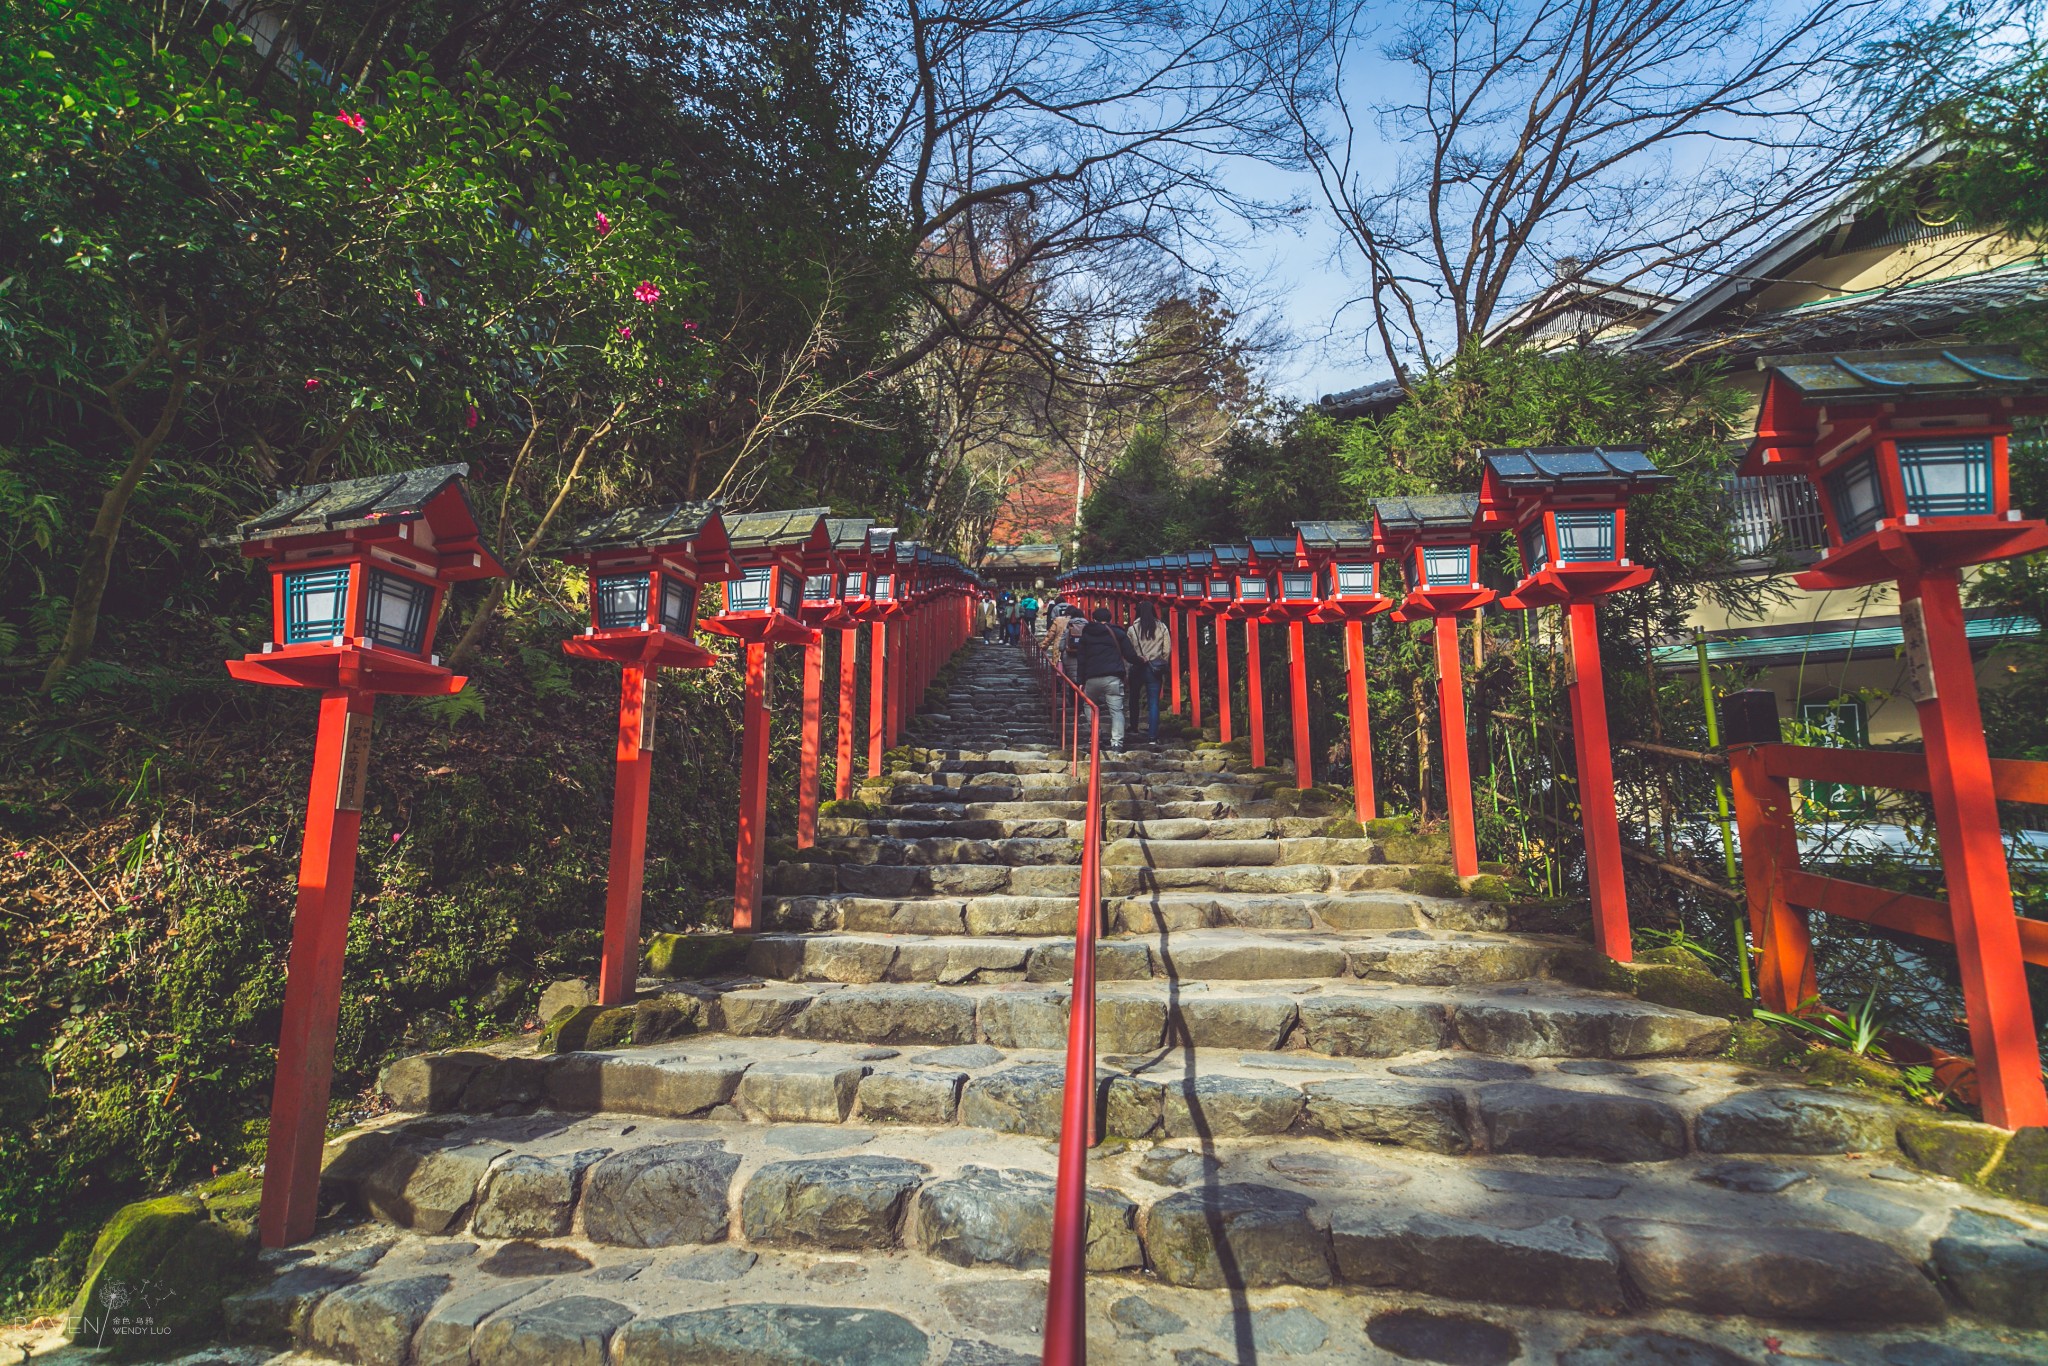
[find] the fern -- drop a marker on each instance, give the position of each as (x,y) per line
(455,708)
(547,672)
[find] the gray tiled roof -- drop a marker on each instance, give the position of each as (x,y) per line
(1228,556)
(753,530)
(1334,536)
(848,533)
(1907,313)
(1428,511)
(1546,466)
(1900,374)
(375,498)
(637,527)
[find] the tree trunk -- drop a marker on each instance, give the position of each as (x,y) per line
(96,567)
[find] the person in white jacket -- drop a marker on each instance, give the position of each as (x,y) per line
(1153,643)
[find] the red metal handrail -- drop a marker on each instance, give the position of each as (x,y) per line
(1066,1306)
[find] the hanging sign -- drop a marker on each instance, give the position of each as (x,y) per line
(355,763)
(1919,659)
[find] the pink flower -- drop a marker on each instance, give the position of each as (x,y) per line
(355,121)
(21,853)
(472,415)
(689,327)
(646,292)
(604,224)
(625,331)
(312,383)
(397,835)
(420,296)
(661,384)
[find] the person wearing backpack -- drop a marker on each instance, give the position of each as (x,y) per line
(1153,644)
(1105,655)
(1029,613)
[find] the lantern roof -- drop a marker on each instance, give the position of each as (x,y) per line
(1886,375)
(1273,550)
(434,492)
(799,528)
(1428,512)
(1529,469)
(1199,559)
(649,528)
(881,539)
(1231,556)
(849,534)
(1330,538)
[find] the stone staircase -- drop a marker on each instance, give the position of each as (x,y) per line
(1347,1116)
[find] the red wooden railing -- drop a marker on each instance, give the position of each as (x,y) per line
(1066,1316)
(1781,894)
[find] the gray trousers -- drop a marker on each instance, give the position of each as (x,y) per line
(1107,692)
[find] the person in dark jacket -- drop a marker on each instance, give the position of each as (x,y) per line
(1105,655)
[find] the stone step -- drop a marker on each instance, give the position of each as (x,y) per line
(554,1237)
(927,851)
(1335,1018)
(1162,828)
(1174,912)
(1195,955)
(1063,880)
(1055,787)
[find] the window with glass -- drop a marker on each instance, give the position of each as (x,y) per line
(1535,548)
(749,592)
(1354,580)
(395,611)
(1949,478)
(853,585)
(1446,565)
(818,588)
(788,592)
(315,605)
(1252,588)
(1219,588)
(1297,586)
(1585,536)
(622,601)
(885,587)
(1857,496)
(678,605)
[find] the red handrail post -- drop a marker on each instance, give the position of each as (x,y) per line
(1195,671)
(1361,721)
(1066,1308)
(1785,979)
(1973,855)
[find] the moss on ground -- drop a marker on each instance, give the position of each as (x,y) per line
(156,1278)
(693,955)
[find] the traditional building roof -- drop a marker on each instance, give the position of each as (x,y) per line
(998,557)
(1367,400)
(848,533)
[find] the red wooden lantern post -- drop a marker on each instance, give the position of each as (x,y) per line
(1567,508)
(878,609)
(1437,538)
(1909,452)
(824,610)
(1224,563)
(646,566)
(359,570)
(1294,602)
(850,544)
(1249,604)
(1193,593)
(773,553)
(1166,590)
(1345,559)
